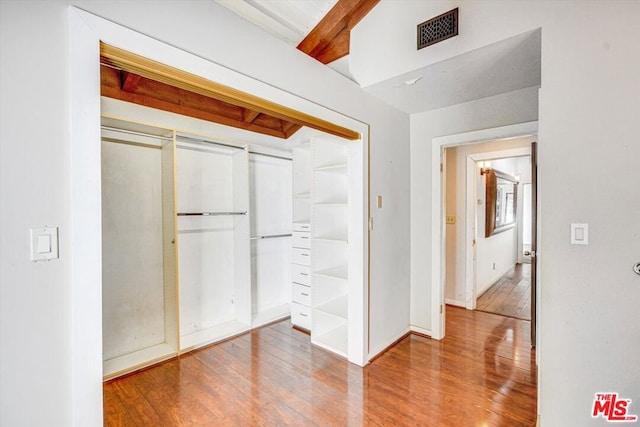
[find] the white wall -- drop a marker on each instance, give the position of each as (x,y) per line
(35,190)
(45,336)
(588,329)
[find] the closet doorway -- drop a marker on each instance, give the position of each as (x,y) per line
(457,221)
(227,235)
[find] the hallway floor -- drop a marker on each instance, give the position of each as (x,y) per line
(510,295)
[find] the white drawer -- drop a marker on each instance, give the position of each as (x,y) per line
(301,315)
(301,274)
(301,256)
(301,294)
(299,226)
(301,239)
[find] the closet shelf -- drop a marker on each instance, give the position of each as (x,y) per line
(219,332)
(270,315)
(341,272)
(336,307)
(332,205)
(270,236)
(210,213)
(340,169)
(330,239)
(334,340)
(138,359)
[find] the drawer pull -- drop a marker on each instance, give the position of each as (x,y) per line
(304,254)
(304,237)
(303,294)
(304,274)
(303,315)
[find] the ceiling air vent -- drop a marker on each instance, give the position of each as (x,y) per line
(437,29)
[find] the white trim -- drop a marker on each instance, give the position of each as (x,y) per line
(471,204)
(437,202)
(86,231)
(422,331)
(385,347)
(455,302)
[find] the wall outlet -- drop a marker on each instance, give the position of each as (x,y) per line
(451,219)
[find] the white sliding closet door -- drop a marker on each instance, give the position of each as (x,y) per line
(271,216)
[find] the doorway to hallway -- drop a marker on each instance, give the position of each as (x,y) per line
(488,271)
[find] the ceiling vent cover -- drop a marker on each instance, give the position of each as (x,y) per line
(437,29)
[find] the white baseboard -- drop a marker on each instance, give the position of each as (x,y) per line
(381,348)
(421,331)
(497,277)
(455,302)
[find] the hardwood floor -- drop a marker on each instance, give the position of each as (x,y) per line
(482,373)
(510,295)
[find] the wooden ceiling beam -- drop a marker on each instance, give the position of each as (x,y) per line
(330,39)
(338,48)
(163,73)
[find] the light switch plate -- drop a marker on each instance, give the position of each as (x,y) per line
(579,234)
(44,243)
(379,201)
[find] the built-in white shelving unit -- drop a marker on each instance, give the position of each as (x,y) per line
(301,241)
(185,263)
(330,240)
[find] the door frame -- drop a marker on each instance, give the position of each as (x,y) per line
(438,233)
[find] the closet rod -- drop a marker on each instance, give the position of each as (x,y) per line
(210,213)
(132,132)
(270,155)
(273,236)
(191,139)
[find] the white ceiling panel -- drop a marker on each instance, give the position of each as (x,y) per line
(509,65)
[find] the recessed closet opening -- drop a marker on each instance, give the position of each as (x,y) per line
(86,33)
(210,231)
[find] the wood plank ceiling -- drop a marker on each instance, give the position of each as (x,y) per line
(326,42)
(127,86)
(164,87)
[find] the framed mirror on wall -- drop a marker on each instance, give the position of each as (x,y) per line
(501,202)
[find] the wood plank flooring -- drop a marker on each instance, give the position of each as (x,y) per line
(482,373)
(510,295)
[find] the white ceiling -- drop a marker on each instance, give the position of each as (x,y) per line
(502,67)
(290,20)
